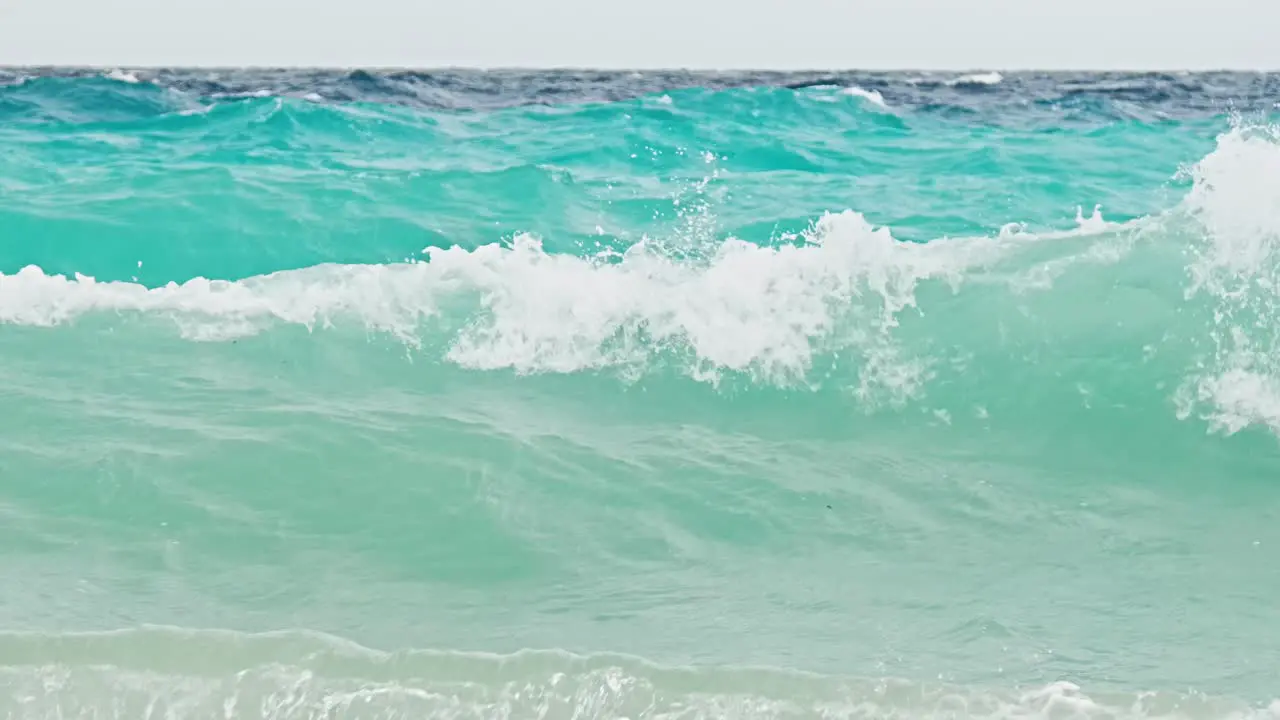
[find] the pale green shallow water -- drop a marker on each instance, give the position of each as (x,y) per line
(723,380)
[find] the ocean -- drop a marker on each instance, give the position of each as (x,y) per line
(574,394)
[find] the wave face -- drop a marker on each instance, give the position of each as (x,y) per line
(827,395)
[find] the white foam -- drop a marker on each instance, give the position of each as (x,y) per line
(1237,398)
(1235,197)
(727,307)
(242,95)
(987,78)
(180,674)
(766,311)
(745,308)
(122,76)
(871,95)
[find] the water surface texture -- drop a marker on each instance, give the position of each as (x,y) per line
(390,394)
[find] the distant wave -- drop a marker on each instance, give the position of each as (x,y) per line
(988,78)
(122,76)
(872,95)
(1171,94)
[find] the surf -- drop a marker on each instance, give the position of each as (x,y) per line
(636,395)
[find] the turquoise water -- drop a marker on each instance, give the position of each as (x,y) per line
(897,398)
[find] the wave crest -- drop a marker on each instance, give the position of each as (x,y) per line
(739,308)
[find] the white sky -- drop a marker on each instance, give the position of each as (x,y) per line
(906,34)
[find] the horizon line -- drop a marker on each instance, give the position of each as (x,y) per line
(621,69)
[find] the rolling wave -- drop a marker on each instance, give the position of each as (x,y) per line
(843,304)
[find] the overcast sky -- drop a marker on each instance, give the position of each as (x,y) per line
(908,34)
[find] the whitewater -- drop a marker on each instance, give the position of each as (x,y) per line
(332,394)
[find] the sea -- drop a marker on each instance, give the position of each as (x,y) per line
(341,394)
